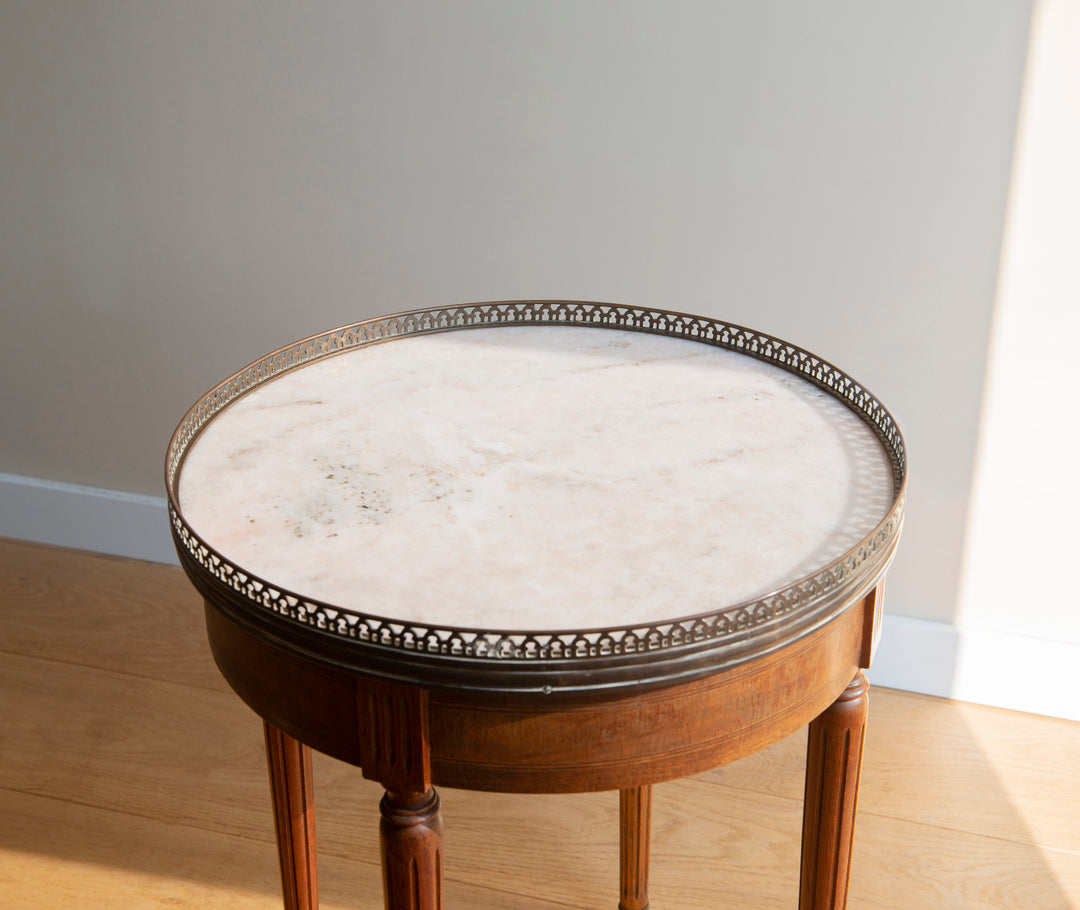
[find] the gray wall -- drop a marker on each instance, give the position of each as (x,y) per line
(184,186)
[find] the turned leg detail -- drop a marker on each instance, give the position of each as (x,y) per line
(635,813)
(833,761)
(410,835)
(291,790)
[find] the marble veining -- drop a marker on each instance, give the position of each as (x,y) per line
(535,477)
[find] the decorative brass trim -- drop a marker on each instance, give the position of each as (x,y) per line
(741,629)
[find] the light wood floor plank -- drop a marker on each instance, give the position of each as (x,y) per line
(158,749)
(733,849)
(100,611)
(56,855)
(129,771)
(928,758)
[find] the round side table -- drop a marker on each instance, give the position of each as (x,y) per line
(541,546)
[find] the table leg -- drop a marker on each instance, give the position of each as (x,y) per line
(833,761)
(294,817)
(635,814)
(410,834)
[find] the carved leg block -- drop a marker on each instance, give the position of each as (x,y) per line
(294,817)
(635,814)
(833,762)
(410,834)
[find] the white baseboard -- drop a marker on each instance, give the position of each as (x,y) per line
(978,665)
(985,666)
(85,518)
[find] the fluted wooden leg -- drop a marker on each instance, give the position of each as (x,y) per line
(410,834)
(833,761)
(635,813)
(294,817)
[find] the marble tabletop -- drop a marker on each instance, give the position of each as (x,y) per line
(535,477)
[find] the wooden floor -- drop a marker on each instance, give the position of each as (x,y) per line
(131,777)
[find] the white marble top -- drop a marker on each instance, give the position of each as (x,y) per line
(535,477)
